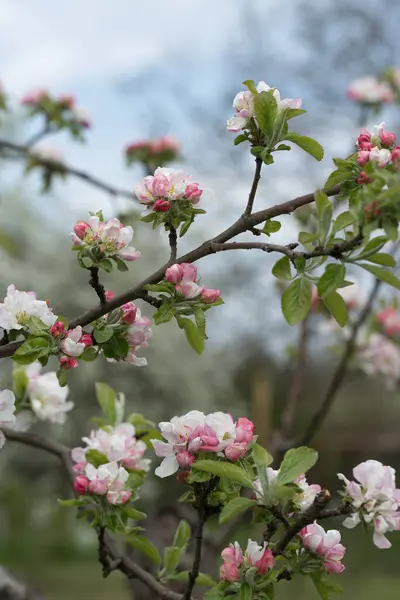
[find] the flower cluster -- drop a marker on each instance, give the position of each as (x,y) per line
(72,343)
(196,432)
(378,355)
(184,278)
(236,563)
(389,319)
(18,307)
(149,152)
(369,90)
(380,148)
(243,103)
(116,444)
(7,410)
(107,480)
(59,111)
(303,499)
(325,544)
(48,399)
(375,500)
(97,241)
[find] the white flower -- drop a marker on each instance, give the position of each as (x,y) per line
(381,156)
(370,90)
(285,103)
(48,398)
(7,410)
(71,344)
(377,355)
(19,306)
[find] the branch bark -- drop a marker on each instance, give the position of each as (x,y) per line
(253,191)
(201,519)
(173,243)
(94,282)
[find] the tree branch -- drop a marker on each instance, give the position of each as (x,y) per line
(253,191)
(94,282)
(26,151)
(341,370)
(244,223)
(173,243)
(201,519)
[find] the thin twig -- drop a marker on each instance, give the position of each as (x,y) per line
(201,519)
(253,191)
(243,223)
(39,136)
(341,370)
(26,151)
(94,281)
(173,243)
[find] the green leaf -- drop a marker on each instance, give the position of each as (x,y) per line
(331,280)
(121,264)
(338,176)
(37,327)
(245,592)
(239,139)
(375,244)
(103,335)
(224,469)
(296,301)
(145,547)
(193,334)
(182,534)
(305,237)
(62,377)
(118,346)
(202,578)
(271,227)
(296,462)
(159,287)
(321,202)
(337,307)
(90,353)
(172,556)
(262,459)
(294,112)
(307,144)
(31,350)
(106,264)
(20,382)
(281,268)
(72,502)
(164,313)
(235,507)
(323,585)
(251,86)
(266,110)
(382,258)
(344,220)
(133,513)
(382,274)
(106,397)
(96,458)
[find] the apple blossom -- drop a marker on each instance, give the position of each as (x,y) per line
(67,362)
(196,432)
(363,178)
(72,344)
(7,410)
(168,184)
(389,318)
(369,90)
(19,306)
(137,333)
(184,277)
(46,154)
(87,340)
(34,97)
(81,484)
(260,557)
(382,156)
(377,355)
(375,499)
(396,154)
(57,329)
(387,138)
(81,117)
(233,554)
(208,296)
(48,399)
(110,238)
(325,544)
(162,205)
(109,295)
(108,479)
(67,101)
(229,572)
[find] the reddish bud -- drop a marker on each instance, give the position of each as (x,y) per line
(81,228)
(57,329)
(185,459)
(162,206)
(68,362)
(396,154)
(86,339)
(109,295)
(372,210)
(81,484)
(209,296)
(363,178)
(182,476)
(130,311)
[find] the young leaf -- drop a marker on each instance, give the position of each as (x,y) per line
(262,459)
(20,382)
(251,86)
(281,268)
(294,112)
(145,547)
(344,220)
(337,307)
(133,513)
(323,585)
(165,313)
(172,556)
(96,458)
(331,280)
(266,110)
(193,334)
(202,578)
(224,469)
(296,462)
(239,139)
(321,202)
(337,177)
(217,592)
(382,274)
(296,301)
(381,258)
(103,335)
(106,397)
(235,507)
(307,144)
(271,227)
(182,534)
(31,350)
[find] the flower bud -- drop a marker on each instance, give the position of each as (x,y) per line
(87,339)
(130,311)
(109,295)
(57,329)
(396,154)
(387,138)
(80,229)
(363,157)
(193,192)
(235,451)
(182,476)
(98,487)
(185,459)
(372,210)
(174,274)
(81,484)
(161,205)
(67,362)
(209,296)
(67,101)
(363,178)
(244,430)
(229,572)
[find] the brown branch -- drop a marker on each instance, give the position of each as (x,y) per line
(26,151)
(244,223)
(201,519)
(341,370)
(94,282)
(253,191)
(173,244)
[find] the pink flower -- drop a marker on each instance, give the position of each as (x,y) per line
(162,205)
(260,557)
(109,295)
(208,296)
(81,228)
(244,430)
(129,312)
(370,90)
(81,484)
(389,318)
(34,97)
(68,363)
(396,154)
(72,345)
(185,459)
(174,274)
(110,237)
(387,137)
(229,572)
(184,277)
(380,155)
(57,329)
(325,544)
(233,554)
(193,192)
(364,138)
(167,184)
(87,340)
(363,178)
(363,157)
(235,451)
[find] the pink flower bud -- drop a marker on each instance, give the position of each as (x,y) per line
(235,451)
(209,296)
(67,362)
(229,572)
(185,459)
(182,476)
(363,157)
(387,137)
(98,487)
(266,562)
(79,468)
(161,205)
(363,178)
(193,192)
(160,185)
(244,430)
(81,484)
(66,101)
(396,154)
(365,146)
(109,295)
(86,339)
(372,210)
(80,229)
(130,312)
(174,274)
(121,498)
(57,329)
